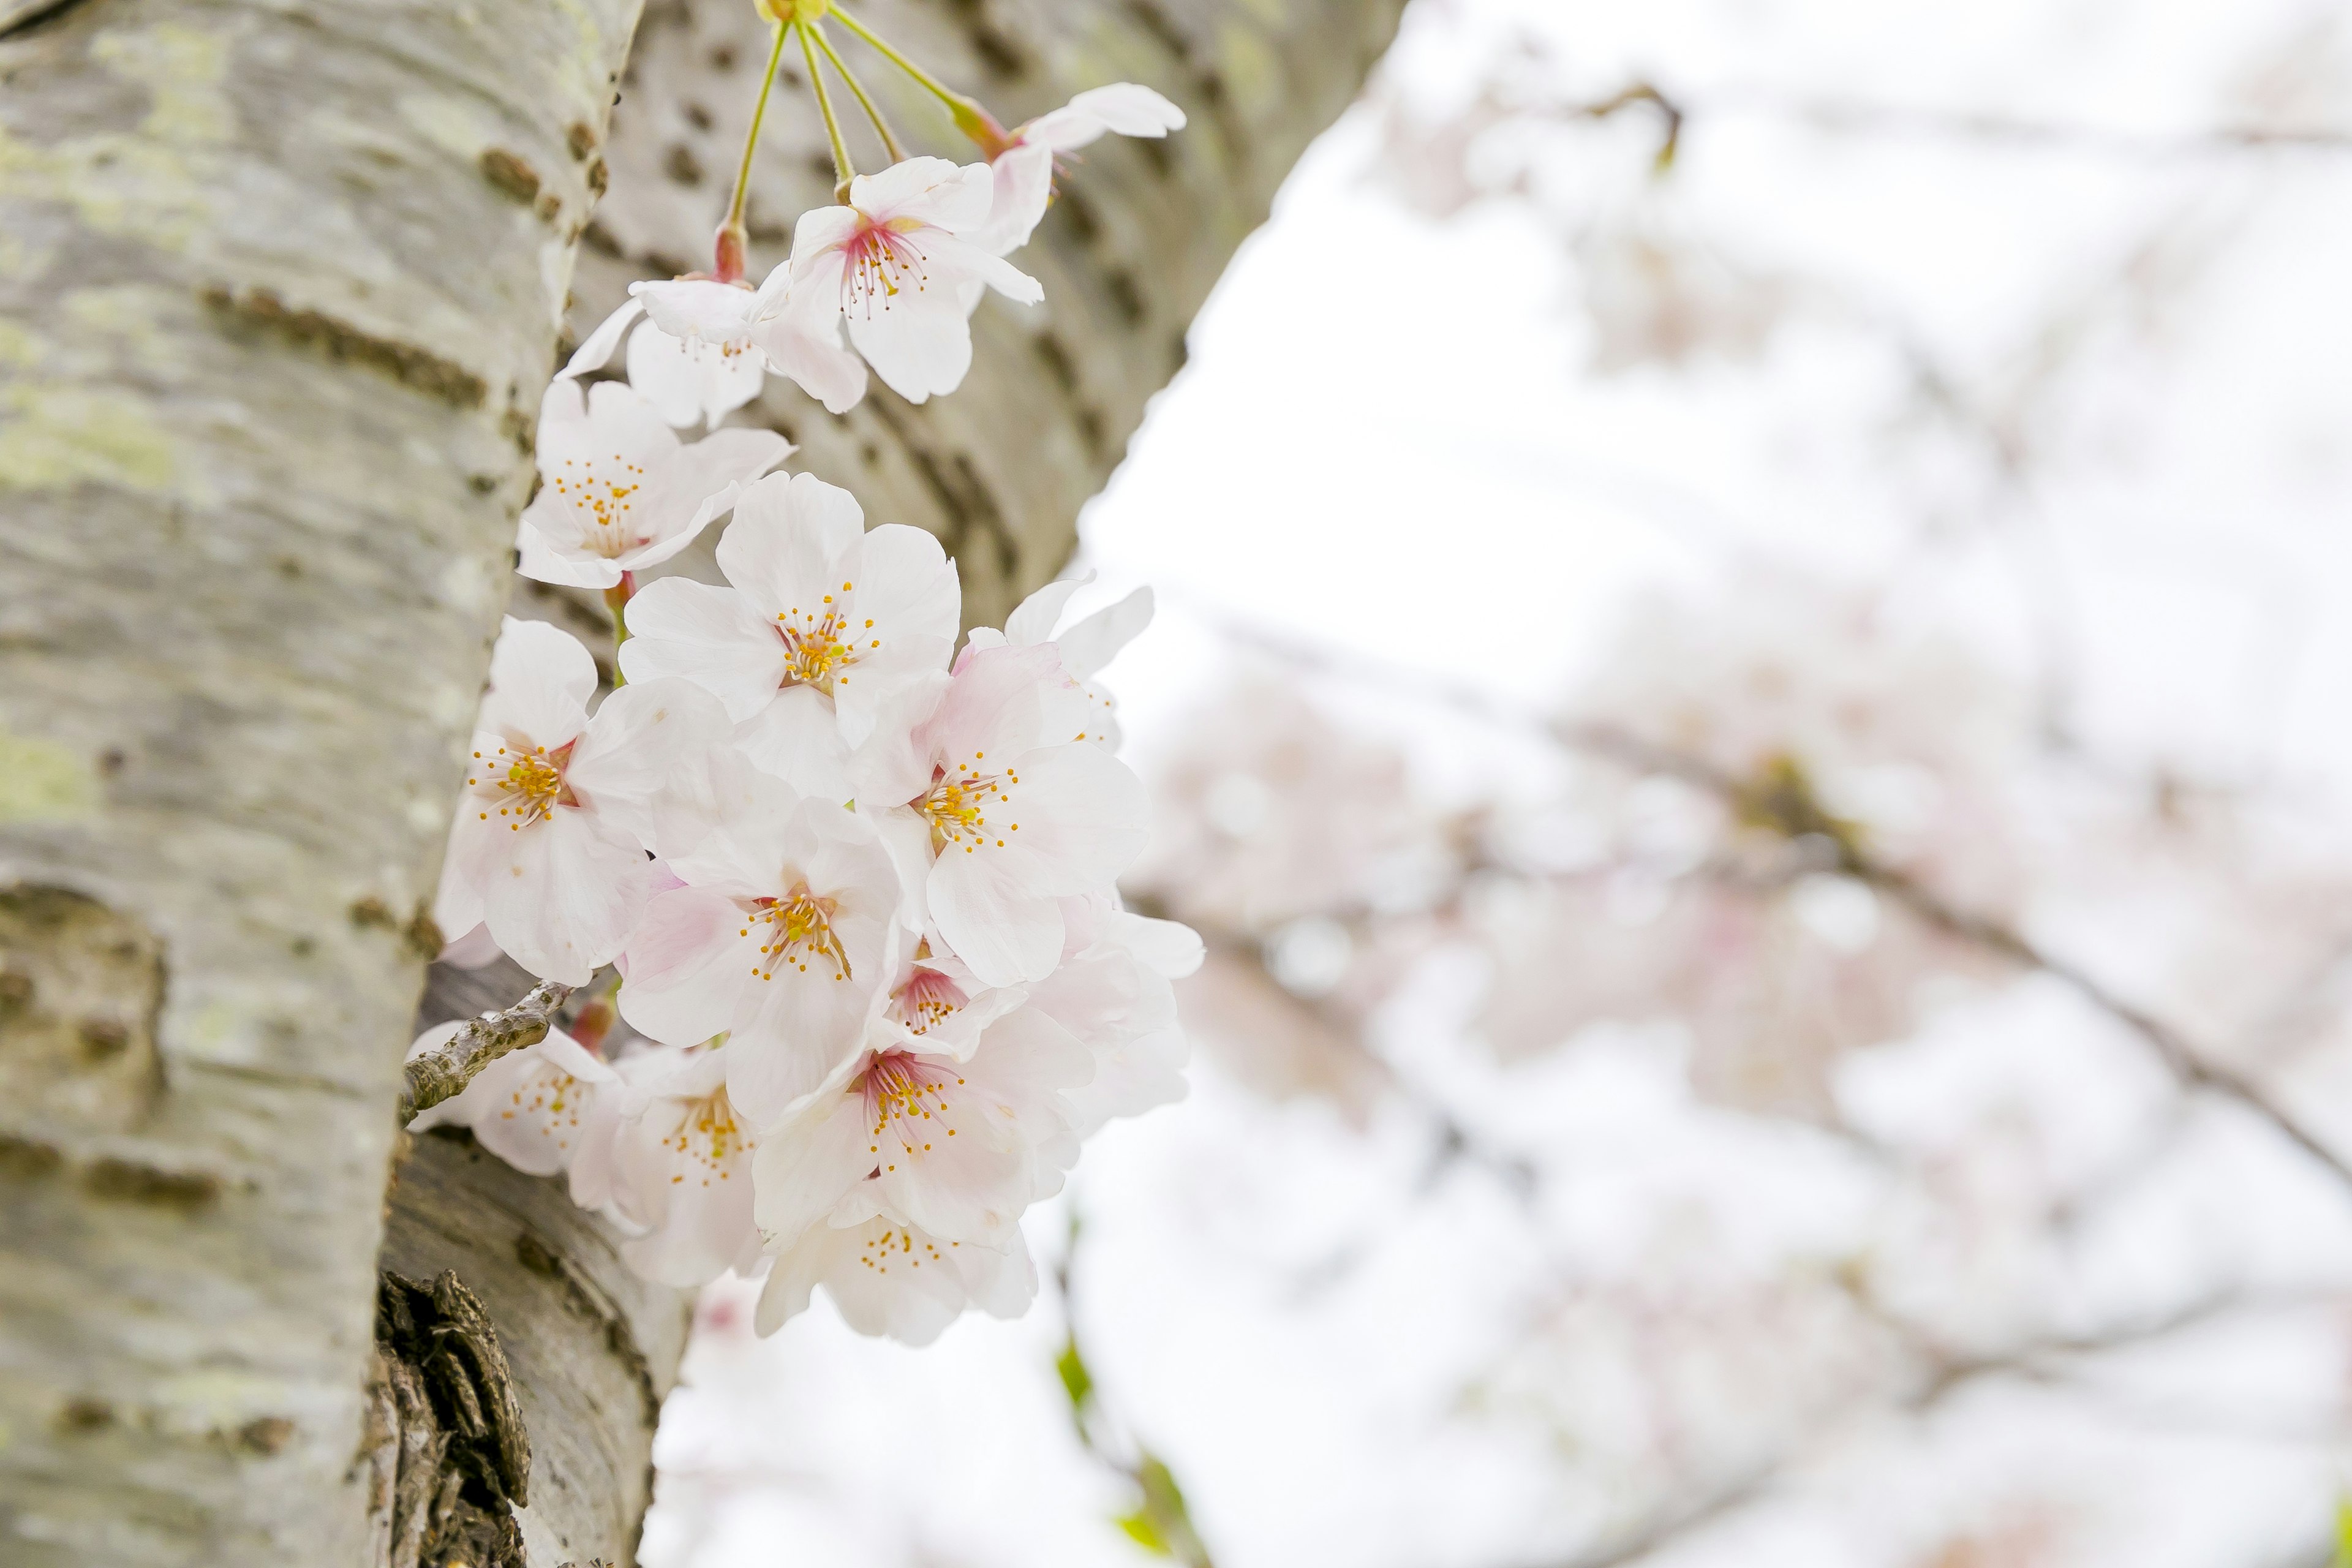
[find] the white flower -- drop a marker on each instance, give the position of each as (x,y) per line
(1024,171)
(549,847)
(892,263)
(890,1278)
(1112,994)
(826,628)
(1077,709)
(996,822)
(618,492)
(956,1149)
(530,1106)
(694,358)
(670,1155)
(783,931)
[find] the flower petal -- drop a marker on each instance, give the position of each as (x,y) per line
(709,635)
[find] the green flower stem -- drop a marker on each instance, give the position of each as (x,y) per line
(843,170)
(857,89)
(969,117)
(732,236)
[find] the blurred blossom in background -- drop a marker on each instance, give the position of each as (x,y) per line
(1754,699)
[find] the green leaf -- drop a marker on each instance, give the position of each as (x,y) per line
(1077,1380)
(1144,1533)
(2344,1533)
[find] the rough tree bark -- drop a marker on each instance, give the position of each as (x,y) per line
(279,285)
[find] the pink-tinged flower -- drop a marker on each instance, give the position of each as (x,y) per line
(1079,709)
(694,357)
(530,1108)
(618,492)
(956,1149)
(669,1155)
(548,846)
(998,822)
(784,928)
(892,265)
(1112,994)
(827,626)
(1024,170)
(891,1278)
(708,346)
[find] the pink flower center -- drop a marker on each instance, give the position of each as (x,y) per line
(906,1098)
(927,1001)
(883,260)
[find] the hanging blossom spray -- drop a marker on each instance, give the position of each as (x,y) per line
(858,887)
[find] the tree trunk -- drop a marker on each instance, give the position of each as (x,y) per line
(279,287)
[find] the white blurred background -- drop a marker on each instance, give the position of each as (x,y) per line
(1754,696)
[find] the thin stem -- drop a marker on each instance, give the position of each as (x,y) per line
(731,234)
(873,110)
(843,171)
(969,117)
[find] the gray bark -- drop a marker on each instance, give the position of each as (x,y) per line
(279,286)
(275,313)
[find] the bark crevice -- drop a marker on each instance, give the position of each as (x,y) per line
(451,1453)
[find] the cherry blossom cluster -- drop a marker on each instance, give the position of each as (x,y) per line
(857,885)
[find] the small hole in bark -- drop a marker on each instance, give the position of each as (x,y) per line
(264,1435)
(102,1038)
(84,1414)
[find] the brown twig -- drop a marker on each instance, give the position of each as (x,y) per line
(443,1071)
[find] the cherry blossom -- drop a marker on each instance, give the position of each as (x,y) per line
(997,821)
(532,1107)
(893,264)
(782,931)
(891,1278)
(1112,994)
(707,347)
(670,1155)
(956,1149)
(619,492)
(1024,170)
(827,626)
(548,846)
(694,358)
(1078,707)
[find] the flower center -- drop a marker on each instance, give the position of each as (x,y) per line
(819,645)
(705,1140)
(899,1247)
(959,803)
(882,260)
(551,1098)
(601,497)
(800,928)
(926,1001)
(905,1100)
(527,784)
